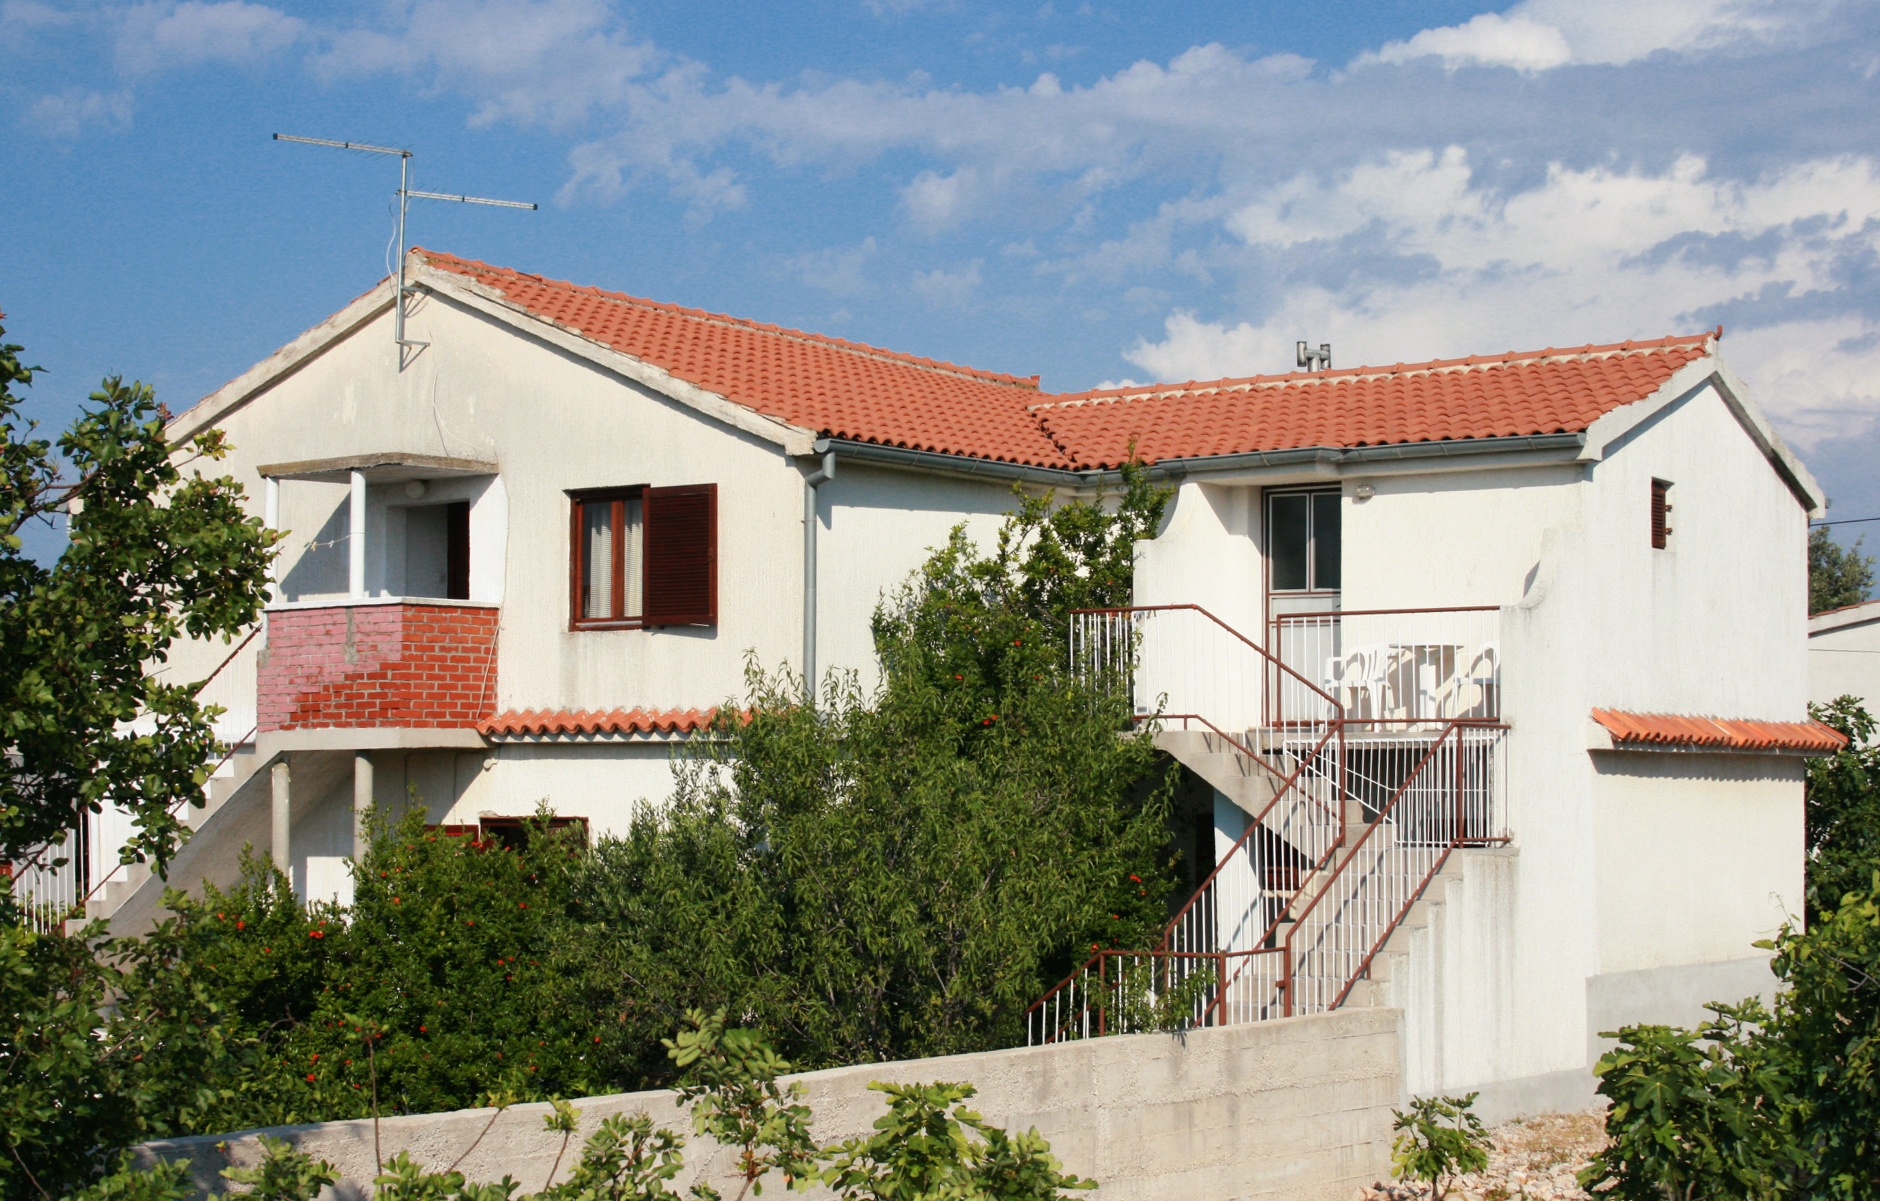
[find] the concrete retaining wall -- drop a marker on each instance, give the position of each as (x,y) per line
(1294,1108)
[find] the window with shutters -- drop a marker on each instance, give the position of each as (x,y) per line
(644,557)
(1661,514)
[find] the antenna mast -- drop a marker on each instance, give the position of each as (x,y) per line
(405,194)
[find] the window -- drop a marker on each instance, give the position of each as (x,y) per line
(1302,541)
(644,557)
(1661,514)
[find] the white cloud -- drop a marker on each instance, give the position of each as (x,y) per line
(947,289)
(77,110)
(841,272)
(1592,255)
(533,62)
(158,36)
(1537,35)
(1489,40)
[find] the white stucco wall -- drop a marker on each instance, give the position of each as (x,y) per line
(1452,539)
(1844,655)
(554,422)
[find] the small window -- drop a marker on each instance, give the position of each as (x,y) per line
(645,557)
(1303,543)
(1661,514)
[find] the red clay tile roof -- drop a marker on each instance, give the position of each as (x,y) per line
(847,390)
(1665,729)
(566,723)
(837,388)
(1491,396)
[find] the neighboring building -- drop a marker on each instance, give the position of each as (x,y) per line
(1487,674)
(1844,654)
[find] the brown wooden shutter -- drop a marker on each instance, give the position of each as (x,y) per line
(1661,529)
(457,557)
(681,547)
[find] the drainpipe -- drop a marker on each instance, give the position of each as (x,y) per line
(810,484)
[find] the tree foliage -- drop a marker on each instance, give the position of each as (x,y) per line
(1759,1104)
(1837,575)
(1843,805)
(901,874)
(153,555)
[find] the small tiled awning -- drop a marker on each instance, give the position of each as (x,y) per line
(1672,731)
(569,725)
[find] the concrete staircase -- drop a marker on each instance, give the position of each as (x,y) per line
(222,787)
(1449,965)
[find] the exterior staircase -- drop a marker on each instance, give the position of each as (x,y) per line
(1350,823)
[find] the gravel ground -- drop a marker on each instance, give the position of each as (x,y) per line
(1535,1158)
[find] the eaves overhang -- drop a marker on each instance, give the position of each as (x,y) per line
(1329,462)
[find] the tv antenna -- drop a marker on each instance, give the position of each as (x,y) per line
(406,193)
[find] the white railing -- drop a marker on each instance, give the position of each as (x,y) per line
(1425,666)
(1423,797)
(1176,659)
(1376,779)
(47,891)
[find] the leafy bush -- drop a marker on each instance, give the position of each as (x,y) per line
(1827,1028)
(439,985)
(1843,803)
(1438,1140)
(900,875)
(1697,1114)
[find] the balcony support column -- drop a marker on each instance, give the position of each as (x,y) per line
(356,538)
(281,810)
(362,801)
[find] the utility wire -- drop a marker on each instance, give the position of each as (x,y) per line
(1843,521)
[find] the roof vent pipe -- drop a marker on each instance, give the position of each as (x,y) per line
(1320,358)
(810,484)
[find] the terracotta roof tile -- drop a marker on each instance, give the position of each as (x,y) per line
(837,388)
(1495,396)
(567,723)
(847,390)
(1667,729)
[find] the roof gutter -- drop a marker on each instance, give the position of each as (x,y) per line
(946,464)
(1565,446)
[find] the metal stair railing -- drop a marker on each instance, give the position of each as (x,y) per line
(1450,798)
(1192,975)
(1325,916)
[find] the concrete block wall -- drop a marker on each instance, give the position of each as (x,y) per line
(1296,1108)
(406,664)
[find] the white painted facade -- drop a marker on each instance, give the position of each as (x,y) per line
(1844,654)
(1660,869)
(1633,882)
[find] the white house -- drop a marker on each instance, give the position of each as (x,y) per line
(1844,654)
(1489,675)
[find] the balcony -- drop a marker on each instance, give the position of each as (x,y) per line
(381,662)
(1378,670)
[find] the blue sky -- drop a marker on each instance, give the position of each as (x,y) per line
(1094,192)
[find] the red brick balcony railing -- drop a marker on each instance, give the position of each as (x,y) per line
(385,663)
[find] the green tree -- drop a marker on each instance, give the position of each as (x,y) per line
(901,874)
(153,555)
(1843,807)
(1827,1027)
(1836,576)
